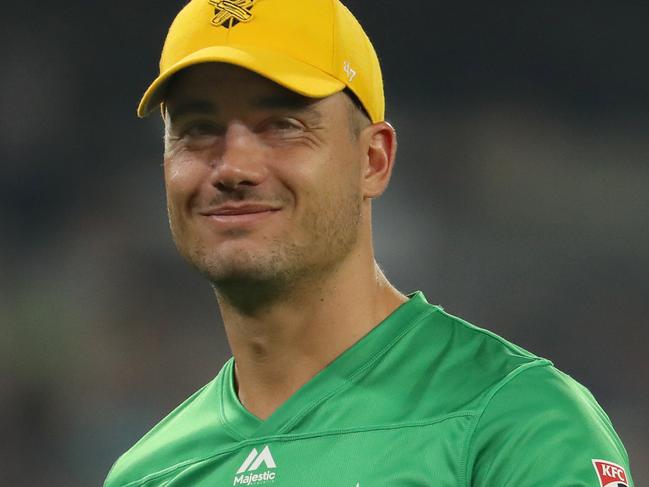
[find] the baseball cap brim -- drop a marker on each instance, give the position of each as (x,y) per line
(286,71)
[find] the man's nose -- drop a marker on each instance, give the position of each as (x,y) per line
(239,160)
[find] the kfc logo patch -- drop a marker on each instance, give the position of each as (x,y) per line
(610,474)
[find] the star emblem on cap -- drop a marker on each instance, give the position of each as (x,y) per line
(228,13)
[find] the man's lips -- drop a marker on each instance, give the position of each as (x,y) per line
(233,210)
(232,214)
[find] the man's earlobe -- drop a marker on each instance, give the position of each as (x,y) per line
(381,154)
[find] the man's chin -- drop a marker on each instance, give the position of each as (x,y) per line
(250,289)
(239,271)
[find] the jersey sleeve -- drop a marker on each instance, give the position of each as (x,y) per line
(542,428)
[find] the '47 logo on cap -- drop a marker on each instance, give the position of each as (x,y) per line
(610,474)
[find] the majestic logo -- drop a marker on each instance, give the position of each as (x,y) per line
(252,463)
(610,474)
(228,13)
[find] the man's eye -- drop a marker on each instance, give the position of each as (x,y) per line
(196,129)
(199,129)
(282,125)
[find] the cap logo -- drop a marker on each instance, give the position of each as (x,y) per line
(349,71)
(228,13)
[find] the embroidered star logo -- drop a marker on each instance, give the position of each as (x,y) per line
(228,13)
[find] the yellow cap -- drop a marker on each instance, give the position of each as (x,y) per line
(312,47)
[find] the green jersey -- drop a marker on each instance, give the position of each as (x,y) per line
(425,399)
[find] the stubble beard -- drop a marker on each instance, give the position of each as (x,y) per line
(250,281)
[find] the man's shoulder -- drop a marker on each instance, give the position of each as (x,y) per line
(465,362)
(435,366)
(172,442)
(497,367)
(525,411)
(479,342)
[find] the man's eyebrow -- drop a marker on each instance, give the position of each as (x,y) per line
(272,102)
(192,107)
(289,101)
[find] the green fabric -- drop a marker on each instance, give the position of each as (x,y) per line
(425,399)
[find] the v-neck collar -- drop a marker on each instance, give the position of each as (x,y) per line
(242,424)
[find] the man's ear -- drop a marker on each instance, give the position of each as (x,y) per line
(380,144)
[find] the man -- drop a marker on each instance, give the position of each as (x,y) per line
(275,146)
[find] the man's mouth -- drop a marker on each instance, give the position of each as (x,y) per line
(239,214)
(245,209)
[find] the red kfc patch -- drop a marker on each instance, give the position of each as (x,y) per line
(610,474)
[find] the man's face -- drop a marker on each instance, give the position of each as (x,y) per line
(262,184)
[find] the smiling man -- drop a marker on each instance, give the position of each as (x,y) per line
(275,147)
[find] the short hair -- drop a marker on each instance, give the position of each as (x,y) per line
(358,116)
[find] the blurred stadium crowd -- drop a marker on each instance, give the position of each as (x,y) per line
(520,202)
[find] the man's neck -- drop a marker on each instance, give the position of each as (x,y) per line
(283,346)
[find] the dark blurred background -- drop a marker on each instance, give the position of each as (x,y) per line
(520,202)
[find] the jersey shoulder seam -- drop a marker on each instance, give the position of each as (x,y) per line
(464,466)
(517,350)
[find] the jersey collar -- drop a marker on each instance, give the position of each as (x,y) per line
(332,380)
